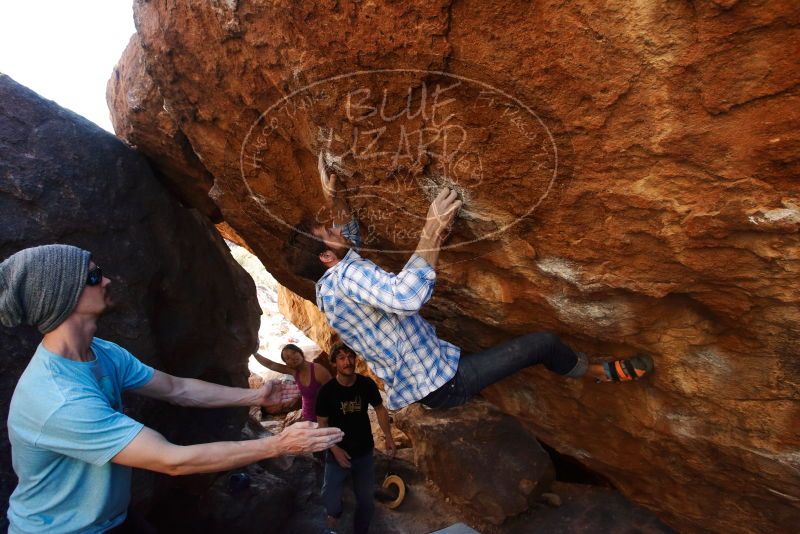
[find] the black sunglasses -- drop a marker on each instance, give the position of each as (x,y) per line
(95,276)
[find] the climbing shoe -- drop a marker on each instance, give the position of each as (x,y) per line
(628,369)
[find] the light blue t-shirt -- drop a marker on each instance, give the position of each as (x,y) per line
(65,423)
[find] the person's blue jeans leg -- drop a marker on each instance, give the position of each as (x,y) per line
(364,488)
(362,470)
(332,485)
(481,369)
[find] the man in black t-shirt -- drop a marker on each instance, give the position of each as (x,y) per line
(343,403)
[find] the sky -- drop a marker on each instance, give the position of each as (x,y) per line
(66,50)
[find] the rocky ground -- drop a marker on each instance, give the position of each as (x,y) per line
(283,496)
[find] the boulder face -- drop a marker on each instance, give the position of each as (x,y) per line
(628,177)
(183,305)
(307,317)
(479,457)
(146,124)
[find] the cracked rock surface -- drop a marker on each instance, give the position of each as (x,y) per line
(629,177)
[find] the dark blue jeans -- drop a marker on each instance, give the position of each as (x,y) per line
(481,369)
(362,469)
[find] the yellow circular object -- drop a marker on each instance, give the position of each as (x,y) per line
(394,480)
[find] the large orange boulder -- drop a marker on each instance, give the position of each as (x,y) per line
(143,120)
(628,171)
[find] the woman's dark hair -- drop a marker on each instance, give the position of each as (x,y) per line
(301,251)
(293,348)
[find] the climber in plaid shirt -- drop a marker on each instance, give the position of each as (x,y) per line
(377,313)
(380,317)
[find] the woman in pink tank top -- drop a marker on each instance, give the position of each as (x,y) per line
(308,376)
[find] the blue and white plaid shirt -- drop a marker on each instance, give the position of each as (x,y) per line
(377,314)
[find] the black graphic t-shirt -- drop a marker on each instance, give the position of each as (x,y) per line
(346,408)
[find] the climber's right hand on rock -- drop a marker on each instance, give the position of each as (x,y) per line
(331,185)
(306,437)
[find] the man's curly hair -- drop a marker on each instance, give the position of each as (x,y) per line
(338,347)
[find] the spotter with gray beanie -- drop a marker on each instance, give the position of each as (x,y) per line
(72,446)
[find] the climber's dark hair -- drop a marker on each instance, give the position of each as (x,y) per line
(301,251)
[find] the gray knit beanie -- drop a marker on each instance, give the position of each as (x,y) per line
(40,286)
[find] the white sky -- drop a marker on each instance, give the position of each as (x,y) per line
(65,50)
